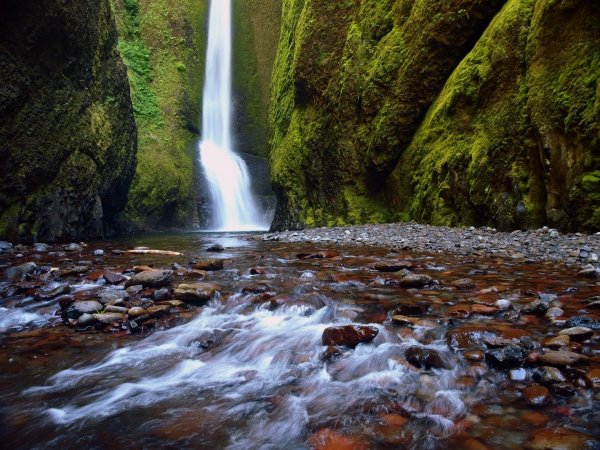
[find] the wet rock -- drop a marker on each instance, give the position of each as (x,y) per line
(536,395)
(554,312)
(5,246)
(592,378)
(73,247)
(76,309)
(256,288)
(548,375)
(577,333)
(320,255)
(503,304)
(110,318)
(416,281)
(483,310)
(200,274)
(40,247)
(411,309)
(138,269)
(175,303)
(557,342)
(151,278)
(589,272)
(467,337)
(404,321)
(18,272)
(583,321)
(49,293)
(113,297)
(159,311)
(112,277)
(518,374)
(116,251)
(463,284)
(394,266)
(258,271)
(496,341)
(536,307)
(459,311)
(331,353)
(508,357)
(85,320)
(134,290)
(215,248)
(195,293)
(74,271)
(561,358)
(423,357)
(328,439)
(116,309)
(561,439)
(474,355)
(98,252)
(565,390)
(210,265)
(65,301)
(162,294)
(349,335)
(135,312)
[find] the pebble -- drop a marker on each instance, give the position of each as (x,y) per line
(536,395)
(503,304)
(518,374)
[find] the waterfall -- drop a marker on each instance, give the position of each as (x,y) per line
(234,208)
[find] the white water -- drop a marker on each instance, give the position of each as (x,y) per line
(234,208)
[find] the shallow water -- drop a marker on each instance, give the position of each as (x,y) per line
(237,374)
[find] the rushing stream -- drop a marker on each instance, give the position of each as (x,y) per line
(249,369)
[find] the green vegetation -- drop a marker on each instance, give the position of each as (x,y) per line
(162,44)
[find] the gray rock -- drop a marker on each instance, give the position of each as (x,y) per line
(536,307)
(548,375)
(5,246)
(577,333)
(17,272)
(110,318)
(416,280)
(73,247)
(98,252)
(215,248)
(508,357)
(162,294)
(196,293)
(503,304)
(116,309)
(151,278)
(85,320)
(113,297)
(76,309)
(40,247)
(583,321)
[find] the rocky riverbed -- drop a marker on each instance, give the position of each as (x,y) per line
(364,337)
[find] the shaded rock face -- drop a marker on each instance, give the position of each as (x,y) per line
(452,113)
(67,133)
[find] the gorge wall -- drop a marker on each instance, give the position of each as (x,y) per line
(67,133)
(482,112)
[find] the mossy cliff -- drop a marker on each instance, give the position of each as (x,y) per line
(462,112)
(163,45)
(67,133)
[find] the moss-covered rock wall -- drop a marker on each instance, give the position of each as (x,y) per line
(460,112)
(67,133)
(163,44)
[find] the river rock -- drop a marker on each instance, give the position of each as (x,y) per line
(5,246)
(116,309)
(561,439)
(215,248)
(159,310)
(536,307)
(349,335)
(548,375)
(76,309)
(74,271)
(411,309)
(151,278)
(113,297)
(393,266)
(40,247)
(49,293)
(583,321)
(73,247)
(577,333)
(404,321)
(503,304)
(508,357)
(460,311)
(474,355)
(557,342)
(196,293)
(467,337)
(483,310)
(518,374)
(331,353)
(136,312)
(536,395)
(592,378)
(415,281)
(110,318)
(162,294)
(256,288)
(85,320)
(589,272)
(561,358)
(209,265)
(112,277)
(423,357)
(17,272)
(565,390)
(554,312)
(463,284)
(98,252)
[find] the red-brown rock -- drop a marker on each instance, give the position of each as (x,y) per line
(349,335)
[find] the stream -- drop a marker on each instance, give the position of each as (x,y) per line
(431,366)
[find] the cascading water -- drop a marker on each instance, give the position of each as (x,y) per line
(234,208)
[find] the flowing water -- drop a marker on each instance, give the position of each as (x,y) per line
(233,205)
(247,370)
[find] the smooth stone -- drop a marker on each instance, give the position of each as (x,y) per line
(503,304)
(98,252)
(411,309)
(508,357)
(349,335)
(583,321)
(209,265)
(78,308)
(109,318)
(459,311)
(557,342)
(133,290)
(49,293)
(554,312)
(423,357)
(116,309)
(159,310)
(40,247)
(197,293)
(175,303)
(394,266)
(151,278)
(5,245)
(256,288)
(17,272)
(113,277)
(215,248)
(113,297)
(162,294)
(577,333)
(536,307)
(474,355)
(403,320)
(548,375)
(536,395)
(135,312)
(483,310)
(518,374)
(74,271)
(416,280)
(463,284)
(467,337)
(85,319)
(565,390)
(73,247)
(591,273)
(561,358)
